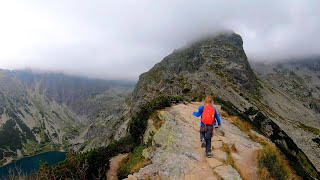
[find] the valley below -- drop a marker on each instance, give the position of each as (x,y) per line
(48,112)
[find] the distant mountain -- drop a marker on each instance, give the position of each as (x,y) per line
(40,112)
(299,78)
(85,97)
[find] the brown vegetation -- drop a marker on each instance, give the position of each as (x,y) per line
(272,164)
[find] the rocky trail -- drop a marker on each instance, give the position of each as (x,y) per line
(176,153)
(114,166)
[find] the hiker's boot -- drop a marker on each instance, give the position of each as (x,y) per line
(208,154)
(203,143)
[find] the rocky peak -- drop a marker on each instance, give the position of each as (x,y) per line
(196,68)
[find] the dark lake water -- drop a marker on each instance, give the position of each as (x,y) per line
(31,164)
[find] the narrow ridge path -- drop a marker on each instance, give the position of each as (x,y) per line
(176,151)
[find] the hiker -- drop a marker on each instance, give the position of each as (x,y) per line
(209,116)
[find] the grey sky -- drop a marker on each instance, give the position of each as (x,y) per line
(121,39)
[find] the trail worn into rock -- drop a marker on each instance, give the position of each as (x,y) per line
(176,151)
(114,166)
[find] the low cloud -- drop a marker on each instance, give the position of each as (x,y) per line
(121,39)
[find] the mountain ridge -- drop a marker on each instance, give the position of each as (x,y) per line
(220,68)
(174,149)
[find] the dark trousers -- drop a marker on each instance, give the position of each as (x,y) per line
(207,136)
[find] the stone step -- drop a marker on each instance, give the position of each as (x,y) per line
(227,173)
(211,178)
(214,162)
(217,144)
(219,155)
(216,138)
(195,177)
(190,177)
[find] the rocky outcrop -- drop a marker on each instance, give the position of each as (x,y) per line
(176,153)
(205,67)
(227,172)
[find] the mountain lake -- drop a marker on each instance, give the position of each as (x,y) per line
(31,164)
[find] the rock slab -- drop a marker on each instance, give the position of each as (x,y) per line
(219,155)
(217,144)
(214,162)
(227,173)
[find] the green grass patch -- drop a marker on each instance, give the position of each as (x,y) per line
(302,165)
(88,165)
(313,130)
(10,136)
(272,165)
(132,163)
(229,160)
(139,122)
(157,121)
(305,163)
(227,106)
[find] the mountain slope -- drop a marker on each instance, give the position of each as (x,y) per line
(218,66)
(300,79)
(30,122)
(83,96)
(42,112)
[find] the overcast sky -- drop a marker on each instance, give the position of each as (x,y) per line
(121,39)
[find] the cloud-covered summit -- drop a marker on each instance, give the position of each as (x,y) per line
(121,39)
